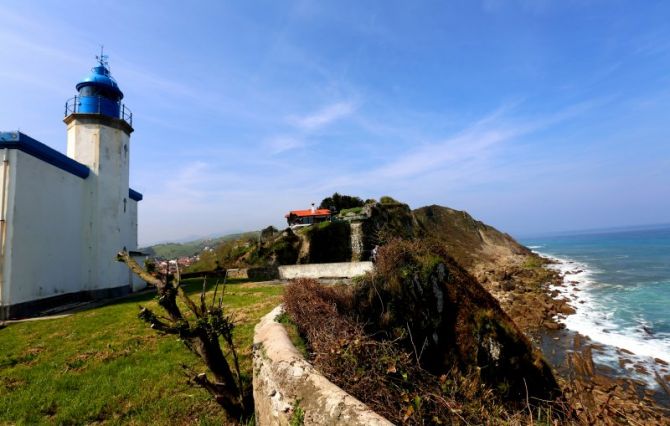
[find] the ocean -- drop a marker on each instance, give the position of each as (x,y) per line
(619,284)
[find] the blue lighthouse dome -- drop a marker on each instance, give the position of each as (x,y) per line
(99,93)
(100,81)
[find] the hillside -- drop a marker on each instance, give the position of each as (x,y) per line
(471,242)
(468,240)
(191,248)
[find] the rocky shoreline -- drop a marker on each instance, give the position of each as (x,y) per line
(530,292)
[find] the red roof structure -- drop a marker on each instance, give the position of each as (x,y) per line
(309,212)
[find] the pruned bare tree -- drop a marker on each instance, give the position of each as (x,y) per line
(200,333)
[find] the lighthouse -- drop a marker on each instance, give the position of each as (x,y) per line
(98,135)
(63,218)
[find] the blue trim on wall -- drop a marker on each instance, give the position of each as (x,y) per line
(134,195)
(22,142)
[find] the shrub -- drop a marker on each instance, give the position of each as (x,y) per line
(268,233)
(337,202)
(353,210)
(388,200)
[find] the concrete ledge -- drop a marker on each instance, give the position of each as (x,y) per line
(325,270)
(283,381)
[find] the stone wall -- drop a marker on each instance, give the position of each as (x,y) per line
(287,387)
(356,241)
(240,273)
(325,270)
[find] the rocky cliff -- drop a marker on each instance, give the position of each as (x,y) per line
(508,270)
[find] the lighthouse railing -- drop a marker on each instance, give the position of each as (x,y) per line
(98,105)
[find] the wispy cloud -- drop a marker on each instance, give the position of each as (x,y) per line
(279,144)
(470,156)
(324,116)
(303,127)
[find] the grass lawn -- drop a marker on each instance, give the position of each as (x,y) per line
(105,365)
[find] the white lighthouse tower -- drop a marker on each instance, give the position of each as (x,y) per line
(98,135)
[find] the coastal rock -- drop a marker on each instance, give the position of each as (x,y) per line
(551,325)
(660,361)
(566,309)
(641,369)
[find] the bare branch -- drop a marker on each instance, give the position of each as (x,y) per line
(177,275)
(189,303)
(200,337)
(124,257)
(203,305)
(216,289)
(156,324)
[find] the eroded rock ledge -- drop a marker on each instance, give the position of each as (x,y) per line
(287,387)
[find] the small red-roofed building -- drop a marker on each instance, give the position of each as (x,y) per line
(298,218)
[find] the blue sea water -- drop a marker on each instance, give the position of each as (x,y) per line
(619,283)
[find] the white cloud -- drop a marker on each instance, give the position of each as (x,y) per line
(324,116)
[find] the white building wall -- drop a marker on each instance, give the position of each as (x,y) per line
(43,249)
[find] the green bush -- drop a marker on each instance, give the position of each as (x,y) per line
(388,200)
(338,202)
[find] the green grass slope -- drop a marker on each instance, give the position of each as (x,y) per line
(105,365)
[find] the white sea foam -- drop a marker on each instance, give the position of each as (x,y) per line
(534,247)
(594,318)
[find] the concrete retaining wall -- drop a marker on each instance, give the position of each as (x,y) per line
(324,270)
(283,381)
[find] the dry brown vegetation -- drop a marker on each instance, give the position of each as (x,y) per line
(379,372)
(422,343)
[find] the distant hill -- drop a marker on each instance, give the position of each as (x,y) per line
(191,248)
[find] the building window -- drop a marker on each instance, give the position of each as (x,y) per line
(124,204)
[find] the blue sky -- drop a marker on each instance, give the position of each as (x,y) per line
(534,116)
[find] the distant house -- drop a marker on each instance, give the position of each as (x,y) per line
(298,218)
